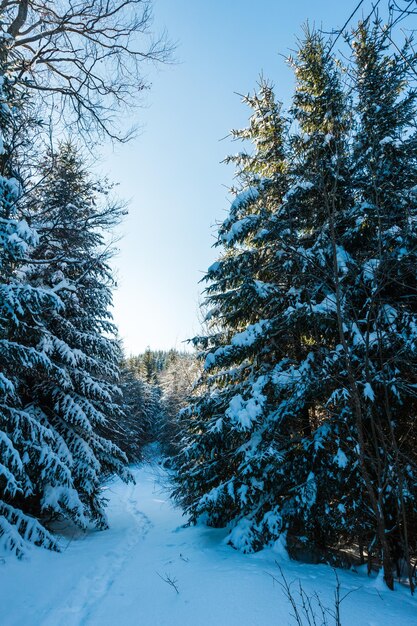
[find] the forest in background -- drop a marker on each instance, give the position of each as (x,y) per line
(155,388)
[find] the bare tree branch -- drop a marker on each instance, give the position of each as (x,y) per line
(89,53)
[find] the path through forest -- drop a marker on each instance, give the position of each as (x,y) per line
(120,577)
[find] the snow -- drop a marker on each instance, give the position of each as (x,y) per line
(238,228)
(263,289)
(340,459)
(391,140)
(326,306)
(369,269)
(119,576)
(343,259)
(213,268)
(386,140)
(368,392)
(250,335)
(64,284)
(244,339)
(304,185)
(210,361)
(244,198)
(23,229)
(390,313)
(244,412)
(357,336)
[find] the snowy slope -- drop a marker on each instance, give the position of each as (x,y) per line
(116,577)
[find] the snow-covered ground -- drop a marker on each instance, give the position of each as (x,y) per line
(116,577)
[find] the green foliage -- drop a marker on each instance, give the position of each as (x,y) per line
(305,417)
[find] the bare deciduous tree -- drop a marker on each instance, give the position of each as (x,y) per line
(84,56)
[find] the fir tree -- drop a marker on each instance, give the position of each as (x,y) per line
(319,198)
(229,465)
(282,435)
(74,217)
(30,451)
(280,441)
(381,241)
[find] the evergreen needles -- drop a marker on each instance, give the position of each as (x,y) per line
(305,418)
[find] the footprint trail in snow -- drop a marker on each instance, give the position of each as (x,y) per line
(119,577)
(95,584)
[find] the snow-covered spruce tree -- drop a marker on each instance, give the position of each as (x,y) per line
(267,451)
(381,241)
(327,486)
(232,465)
(355,284)
(74,218)
(305,419)
(29,451)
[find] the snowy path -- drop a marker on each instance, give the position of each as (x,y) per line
(115,578)
(94,585)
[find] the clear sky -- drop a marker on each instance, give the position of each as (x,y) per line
(172,173)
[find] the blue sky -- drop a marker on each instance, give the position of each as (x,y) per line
(172,172)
